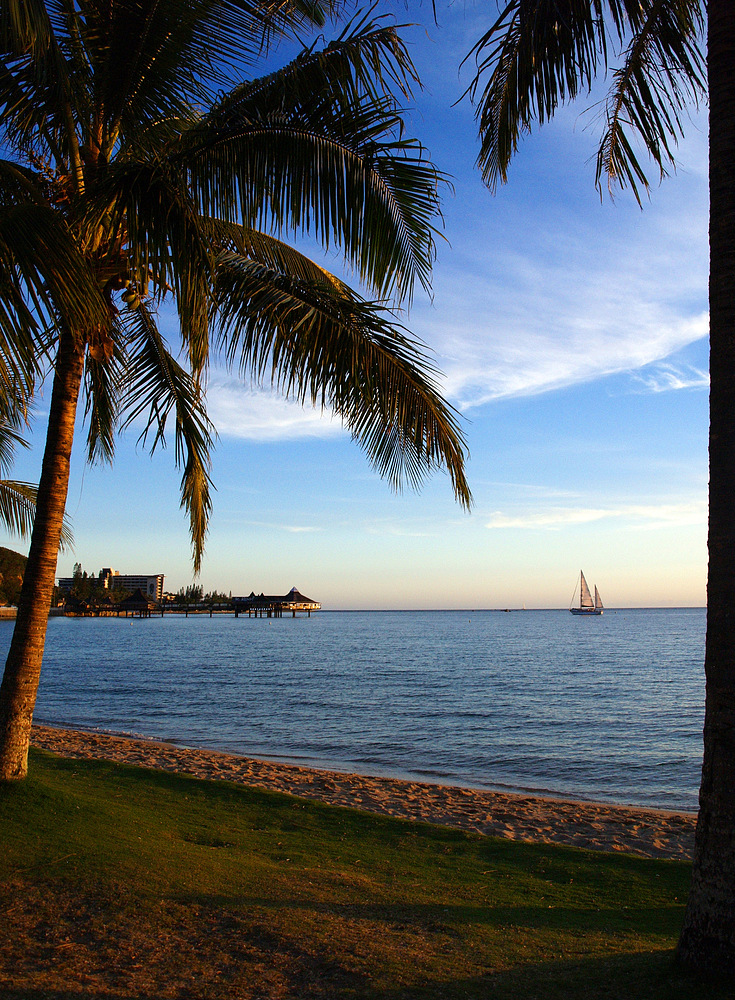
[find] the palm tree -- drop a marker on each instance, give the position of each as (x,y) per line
(537,55)
(148,164)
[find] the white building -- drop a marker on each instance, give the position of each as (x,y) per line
(151,584)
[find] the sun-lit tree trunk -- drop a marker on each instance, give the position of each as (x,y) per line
(708,937)
(23,667)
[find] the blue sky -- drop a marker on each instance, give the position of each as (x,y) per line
(571,334)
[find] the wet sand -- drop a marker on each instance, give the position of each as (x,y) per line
(651,833)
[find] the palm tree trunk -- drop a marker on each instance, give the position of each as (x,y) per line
(23,665)
(708,939)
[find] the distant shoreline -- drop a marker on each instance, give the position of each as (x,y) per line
(11,612)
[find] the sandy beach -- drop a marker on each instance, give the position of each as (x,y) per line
(648,832)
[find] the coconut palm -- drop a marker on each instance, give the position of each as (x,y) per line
(537,55)
(148,163)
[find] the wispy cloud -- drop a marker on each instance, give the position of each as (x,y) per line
(240,410)
(295,529)
(644,516)
(582,291)
(515,352)
(669,377)
(553,519)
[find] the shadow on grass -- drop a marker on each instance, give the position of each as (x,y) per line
(126,909)
(640,976)
(70,994)
(652,976)
(665,920)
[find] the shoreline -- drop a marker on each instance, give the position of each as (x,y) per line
(651,833)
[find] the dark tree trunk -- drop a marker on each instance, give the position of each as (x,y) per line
(708,939)
(23,665)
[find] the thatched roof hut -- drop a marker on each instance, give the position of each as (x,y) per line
(137,604)
(273,605)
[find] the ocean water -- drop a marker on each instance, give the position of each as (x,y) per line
(606,709)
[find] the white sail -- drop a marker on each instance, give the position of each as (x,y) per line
(587,606)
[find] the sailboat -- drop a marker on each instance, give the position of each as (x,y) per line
(587,606)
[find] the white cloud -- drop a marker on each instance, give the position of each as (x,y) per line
(546,288)
(668,377)
(296,529)
(553,519)
(550,338)
(645,516)
(240,410)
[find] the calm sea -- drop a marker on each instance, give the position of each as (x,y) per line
(607,709)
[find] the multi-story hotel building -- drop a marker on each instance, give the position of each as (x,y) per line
(150,584)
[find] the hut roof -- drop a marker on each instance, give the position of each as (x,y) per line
(293,597)
(74,603)
(137,600)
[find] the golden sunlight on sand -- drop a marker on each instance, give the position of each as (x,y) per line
(648,832)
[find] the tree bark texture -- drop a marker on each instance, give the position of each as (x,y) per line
(707,942)
(23,666)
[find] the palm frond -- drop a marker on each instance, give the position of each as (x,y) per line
(540,54)
(367,59)
(151,202)
(25,308)
(37,113)
(663,72)
(117,181)
(39,248)
(24,26)
(18,508)
(268,250)
(158,390)
(74,76)
(157,59)
(313,147)
(104,381)
(536,56)
(9,438)
(18,183)
(44,281)
(325,345)
(13,416)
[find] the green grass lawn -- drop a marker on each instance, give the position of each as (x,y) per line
(121,882)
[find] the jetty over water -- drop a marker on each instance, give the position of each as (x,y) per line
(140,606)
(269,606)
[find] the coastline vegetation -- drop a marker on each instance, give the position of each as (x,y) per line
(120,881)
(12,568)
(194,594)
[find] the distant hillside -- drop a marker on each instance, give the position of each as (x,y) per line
(12,568)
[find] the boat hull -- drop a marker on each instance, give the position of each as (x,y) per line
(586,611)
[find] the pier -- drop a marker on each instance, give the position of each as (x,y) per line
(262,606)
(137,605)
